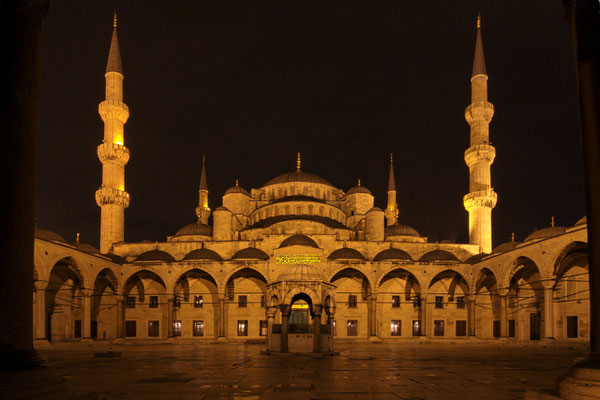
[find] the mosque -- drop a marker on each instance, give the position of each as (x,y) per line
(300,263)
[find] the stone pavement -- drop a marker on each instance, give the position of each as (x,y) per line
(361,371)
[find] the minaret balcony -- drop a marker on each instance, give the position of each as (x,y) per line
(481,111)
(113,109)
(480,153)
(107,195)
(113,152)
(484,198)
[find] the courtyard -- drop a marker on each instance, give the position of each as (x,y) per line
(361,371)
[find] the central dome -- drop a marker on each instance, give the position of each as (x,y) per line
(300,273)
(298,176)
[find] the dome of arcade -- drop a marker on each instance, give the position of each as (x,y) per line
(546,233)
(400,230)
(358,189)
(300,273)
(195,229)
(438,255)
(346,253)
(581,221)
(48,235)
(155,255)
(504,247)
(203,254)
(475,258)
(88,248)
(251,253)
(392,254)
(236,189)
(298,176)
(299,240)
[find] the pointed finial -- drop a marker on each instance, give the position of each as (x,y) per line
(359,182)
(203,159)
(391,158)
(237,183)
(479,21)
(552,221)
(115,19)
(512,237)
(298,162)
(77,239)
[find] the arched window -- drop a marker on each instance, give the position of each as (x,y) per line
(287,210)
(298,210)
(331,213)
(276,211)
(318,193)
(321,211)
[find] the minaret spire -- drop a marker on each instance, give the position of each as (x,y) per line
(479,157)
(298,163)
(112,197)
(203,210)
(391,212)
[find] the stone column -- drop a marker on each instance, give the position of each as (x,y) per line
(424,315)
(86,334)
(271,310)
(40,311)
(120,318)
(503,316)
(471,315)
(373,316)
(170,313)
(285,314)
(317,327)
(548,313)
(222,322)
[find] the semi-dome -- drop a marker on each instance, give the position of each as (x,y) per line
(400,230)
(203,254)
(504,247)
(475,258)
(546,233)
(252,253)
(581,221)
(195,229)
(155,255)
(48,235)
(438,255)
(300,273)
(346,253)
(392,254)
(298,176)
(299,240)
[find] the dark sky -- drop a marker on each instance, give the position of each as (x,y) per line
(345,83)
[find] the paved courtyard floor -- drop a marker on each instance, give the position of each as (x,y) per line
(360,371)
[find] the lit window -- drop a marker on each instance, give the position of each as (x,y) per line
(198,301)
(242,328)
(153,330)
(395,301)
(263,328)
(416,327)
(177,328)
(352,327)
(198,328)
(396,326)
(153,302)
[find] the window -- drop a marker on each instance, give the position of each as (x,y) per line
(263,301)
(461,328)
(352,327)
(177,302)
(153,329)
(416,327)
(352,301)
(198,328)
(198,301)
(460,302)
(130,301)
(262,331)
(395,301)
(130,329)
(242,327)
(396,327)
(77,328)
(572,327)
(177,328)
(496,328)
(417,301)
(153,302)
(242,301)
(511,328)
(439,301)
(438,327)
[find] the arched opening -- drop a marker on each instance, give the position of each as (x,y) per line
(399,304)
(196,303)
(146,306)
(354,317)
(301,308)
(446,296)
(526,299)
(487,305)
(104,306)
(245,292)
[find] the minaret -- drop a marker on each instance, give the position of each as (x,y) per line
(112,197)
(391,212)
(203,211)
(480,156)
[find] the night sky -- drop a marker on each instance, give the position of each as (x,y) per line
(345,83)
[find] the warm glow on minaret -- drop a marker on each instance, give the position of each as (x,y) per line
(479,157)
(112,197)
(391,211)
(203,210)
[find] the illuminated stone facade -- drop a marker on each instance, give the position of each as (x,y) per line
(306,262)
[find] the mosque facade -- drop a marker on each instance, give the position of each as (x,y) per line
(303,263)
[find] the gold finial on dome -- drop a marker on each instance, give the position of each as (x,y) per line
(552,220)
(479,21)
(358,181)
(298,162)
(115,19)
(391,158)
(512,237)
(237,183)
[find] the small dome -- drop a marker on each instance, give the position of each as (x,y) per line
(222,209)
(400,230)
(155,255)
(300,273)
(392,254)
(88,248)
(438,255)
(581,221)
(475,259)
(299,240)
(195,229)
(48,235)
(346,253)
(358,189)
(251,252)
(504,247)
(546,233)
(203,254)
(375,209)
(236,189)
(298,176)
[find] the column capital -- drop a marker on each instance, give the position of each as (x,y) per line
(271,310)
(317,309)
(40,285)
(285,309)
